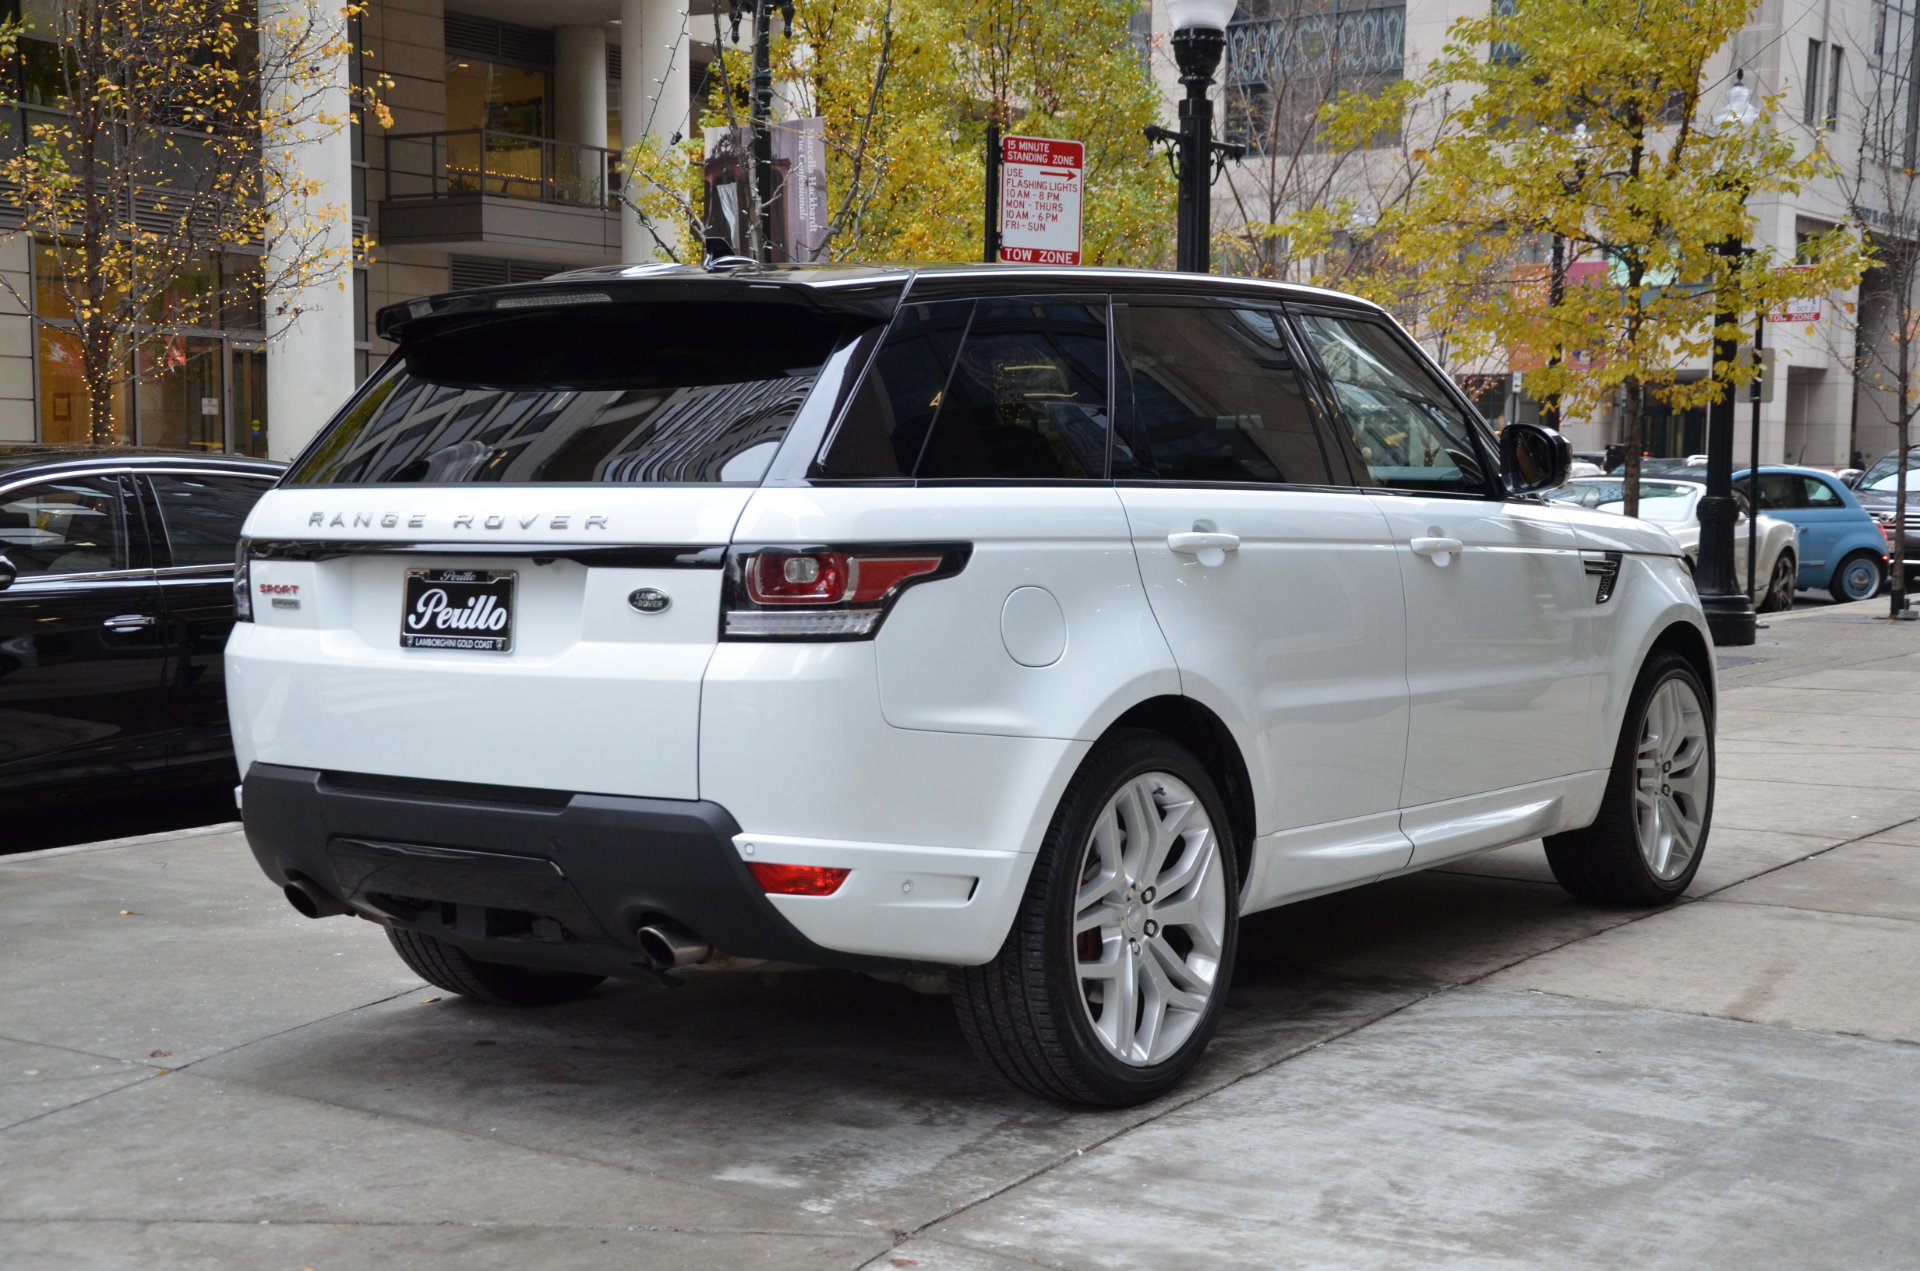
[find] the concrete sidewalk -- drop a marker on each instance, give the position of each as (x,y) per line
(1461,1069)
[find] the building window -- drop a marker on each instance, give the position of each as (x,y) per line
(198,379)
(1504,52)
(1891,106)
(1810,104)
(1287,58)
(1833,89)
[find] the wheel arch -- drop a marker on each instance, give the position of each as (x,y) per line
(1686,640)
(1212,742)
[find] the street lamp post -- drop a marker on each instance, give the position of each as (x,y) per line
(761,117)
(1199,41)
(1729,609)
(1557,272)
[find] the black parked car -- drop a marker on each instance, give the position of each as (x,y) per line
(116,596)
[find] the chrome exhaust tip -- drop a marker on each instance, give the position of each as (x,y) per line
(667,945)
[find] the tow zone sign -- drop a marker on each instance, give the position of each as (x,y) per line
(1040,197)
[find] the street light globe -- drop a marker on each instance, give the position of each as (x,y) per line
(1738,110)
(1200,15)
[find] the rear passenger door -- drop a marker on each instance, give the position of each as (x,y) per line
(197,518)
(81,647)
(1499,662)
(1274,581)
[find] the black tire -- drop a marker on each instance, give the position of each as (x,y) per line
(1781,584)
(1849,581)
(1023,1013)
(457,971)
(1603,863)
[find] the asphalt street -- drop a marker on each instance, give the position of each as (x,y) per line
(1456,1069)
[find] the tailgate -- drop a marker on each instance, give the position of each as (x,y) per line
(505,636)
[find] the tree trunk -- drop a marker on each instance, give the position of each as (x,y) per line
(1897,558)
(96,369)
(1636,407)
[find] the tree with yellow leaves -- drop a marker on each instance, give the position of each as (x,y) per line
(1596,121)
(907,92)
(160,135)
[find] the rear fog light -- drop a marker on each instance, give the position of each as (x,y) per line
(798,880)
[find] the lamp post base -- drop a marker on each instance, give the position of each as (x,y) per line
(1731,620)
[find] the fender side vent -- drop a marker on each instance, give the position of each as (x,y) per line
(1606,568)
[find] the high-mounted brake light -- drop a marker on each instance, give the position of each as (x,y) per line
(798,880)
(827,593)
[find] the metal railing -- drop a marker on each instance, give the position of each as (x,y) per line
(439,165)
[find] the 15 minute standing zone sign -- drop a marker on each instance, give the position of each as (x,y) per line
(1040,197)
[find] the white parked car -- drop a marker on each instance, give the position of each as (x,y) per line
(1030,626)
(1675,507)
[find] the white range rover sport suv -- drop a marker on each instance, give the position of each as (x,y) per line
(1028,626)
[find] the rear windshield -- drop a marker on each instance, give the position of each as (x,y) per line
(685,393)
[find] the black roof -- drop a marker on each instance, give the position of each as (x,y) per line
(20,460)
(873,288)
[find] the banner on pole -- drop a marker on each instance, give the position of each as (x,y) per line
(799,203)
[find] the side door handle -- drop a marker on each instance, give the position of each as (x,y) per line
(1440,551)
(1208,546)
(129,622)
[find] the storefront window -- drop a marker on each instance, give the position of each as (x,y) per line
(66,418)
(249,400)
(181,403)
(191,298)
(198,388)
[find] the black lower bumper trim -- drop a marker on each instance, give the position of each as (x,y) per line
(564,884)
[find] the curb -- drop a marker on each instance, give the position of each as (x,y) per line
(106,845)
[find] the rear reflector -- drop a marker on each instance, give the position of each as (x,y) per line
(797,880)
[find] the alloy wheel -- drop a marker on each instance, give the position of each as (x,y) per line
(1672,778)
(1780,590)
(1150,919)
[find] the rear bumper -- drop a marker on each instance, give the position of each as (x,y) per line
(528,877)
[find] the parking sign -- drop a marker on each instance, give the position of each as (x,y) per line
(1040,200)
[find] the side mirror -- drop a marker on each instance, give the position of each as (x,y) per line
(7,573)
(1533,458)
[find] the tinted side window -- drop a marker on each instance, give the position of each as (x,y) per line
(887,422)
(1215,396)
(1406,429)
(1778,490)
(1028,396)
(1820,494)
(73,526)
(203,515)
(1004,389)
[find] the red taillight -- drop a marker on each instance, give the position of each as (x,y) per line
(797,880)
(827,593)
(830,578)
(798,578)
(875,577)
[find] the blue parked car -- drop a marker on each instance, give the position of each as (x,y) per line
(1842,549)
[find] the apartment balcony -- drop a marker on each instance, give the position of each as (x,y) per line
(521,197)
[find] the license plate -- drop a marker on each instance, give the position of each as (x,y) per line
(464,609)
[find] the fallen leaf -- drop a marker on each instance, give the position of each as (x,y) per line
(158,1054)
(128,913)
(161,1072)
(906,1262)
(428,1001)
